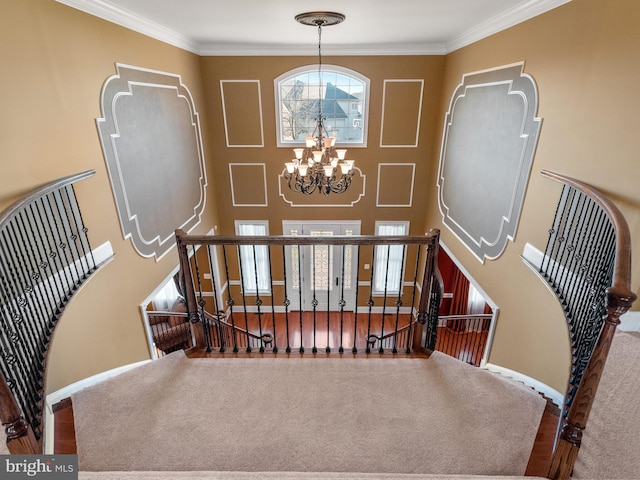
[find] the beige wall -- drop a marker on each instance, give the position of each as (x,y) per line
(377,69)
(55,60)
(585,59)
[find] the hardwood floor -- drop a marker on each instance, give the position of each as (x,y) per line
(321,329)
(64,441)
(334,331)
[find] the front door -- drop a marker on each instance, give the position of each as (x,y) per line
(321,275)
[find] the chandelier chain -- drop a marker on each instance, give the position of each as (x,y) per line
(320,71)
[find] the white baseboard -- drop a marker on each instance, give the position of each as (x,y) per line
(66,392)
(555,396)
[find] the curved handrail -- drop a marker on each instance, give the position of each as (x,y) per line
(619,300)
(622,265)
(12,210)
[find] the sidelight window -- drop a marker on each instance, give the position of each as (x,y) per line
(254,259)
(389,260)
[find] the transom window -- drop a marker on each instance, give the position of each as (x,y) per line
(342,94)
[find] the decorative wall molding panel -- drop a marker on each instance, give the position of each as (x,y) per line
(390,175)
(248,184)
(489,141)
(401,112)
(347,199)
(150,134)
(242,112)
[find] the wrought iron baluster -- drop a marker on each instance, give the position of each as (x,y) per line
(300,283)
(413,299)
(286,302)
(11,317)
(230,301)
(586,227)
(399,302)
(204,320)
(60,252)
(244,301)
(329,286)
(87,254)
(354,349)
(64,245)
(273,303)
(384,300)
(216,306)
(258,300)
(21,378)
(49,261)
(314,302)
(342,302)
(370,302)
(31,312)
(48,281)
(34,285)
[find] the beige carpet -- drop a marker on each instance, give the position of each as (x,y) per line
(434,415)
(280,476)
(610,441)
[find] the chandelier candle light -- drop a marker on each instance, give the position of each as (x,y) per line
(319,166)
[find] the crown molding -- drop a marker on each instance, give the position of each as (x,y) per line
(132,21)
(508,19)
(107,11)
(222,50)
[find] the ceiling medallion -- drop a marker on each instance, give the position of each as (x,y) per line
(324,19)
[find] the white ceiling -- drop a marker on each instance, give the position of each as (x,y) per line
(268,27)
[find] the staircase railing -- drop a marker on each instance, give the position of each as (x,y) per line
(464,337)
(45,257)
(251,318)
(224,334)
(587,263)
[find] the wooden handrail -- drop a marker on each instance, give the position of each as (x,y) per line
(622,266)
(619,300)
(39,192)
(45,258)
(289,240)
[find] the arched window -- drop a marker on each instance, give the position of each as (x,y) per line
(341,94)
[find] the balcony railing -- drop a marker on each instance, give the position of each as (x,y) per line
(317,293)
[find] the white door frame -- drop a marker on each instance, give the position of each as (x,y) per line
(302,226)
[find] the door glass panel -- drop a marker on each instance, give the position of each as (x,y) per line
(295,261)
(348,262)
(322,266)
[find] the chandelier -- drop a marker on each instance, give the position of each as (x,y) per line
(319,166)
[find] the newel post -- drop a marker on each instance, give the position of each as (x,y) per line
(186,274)
(426,330)
(568,445)
(20,436)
